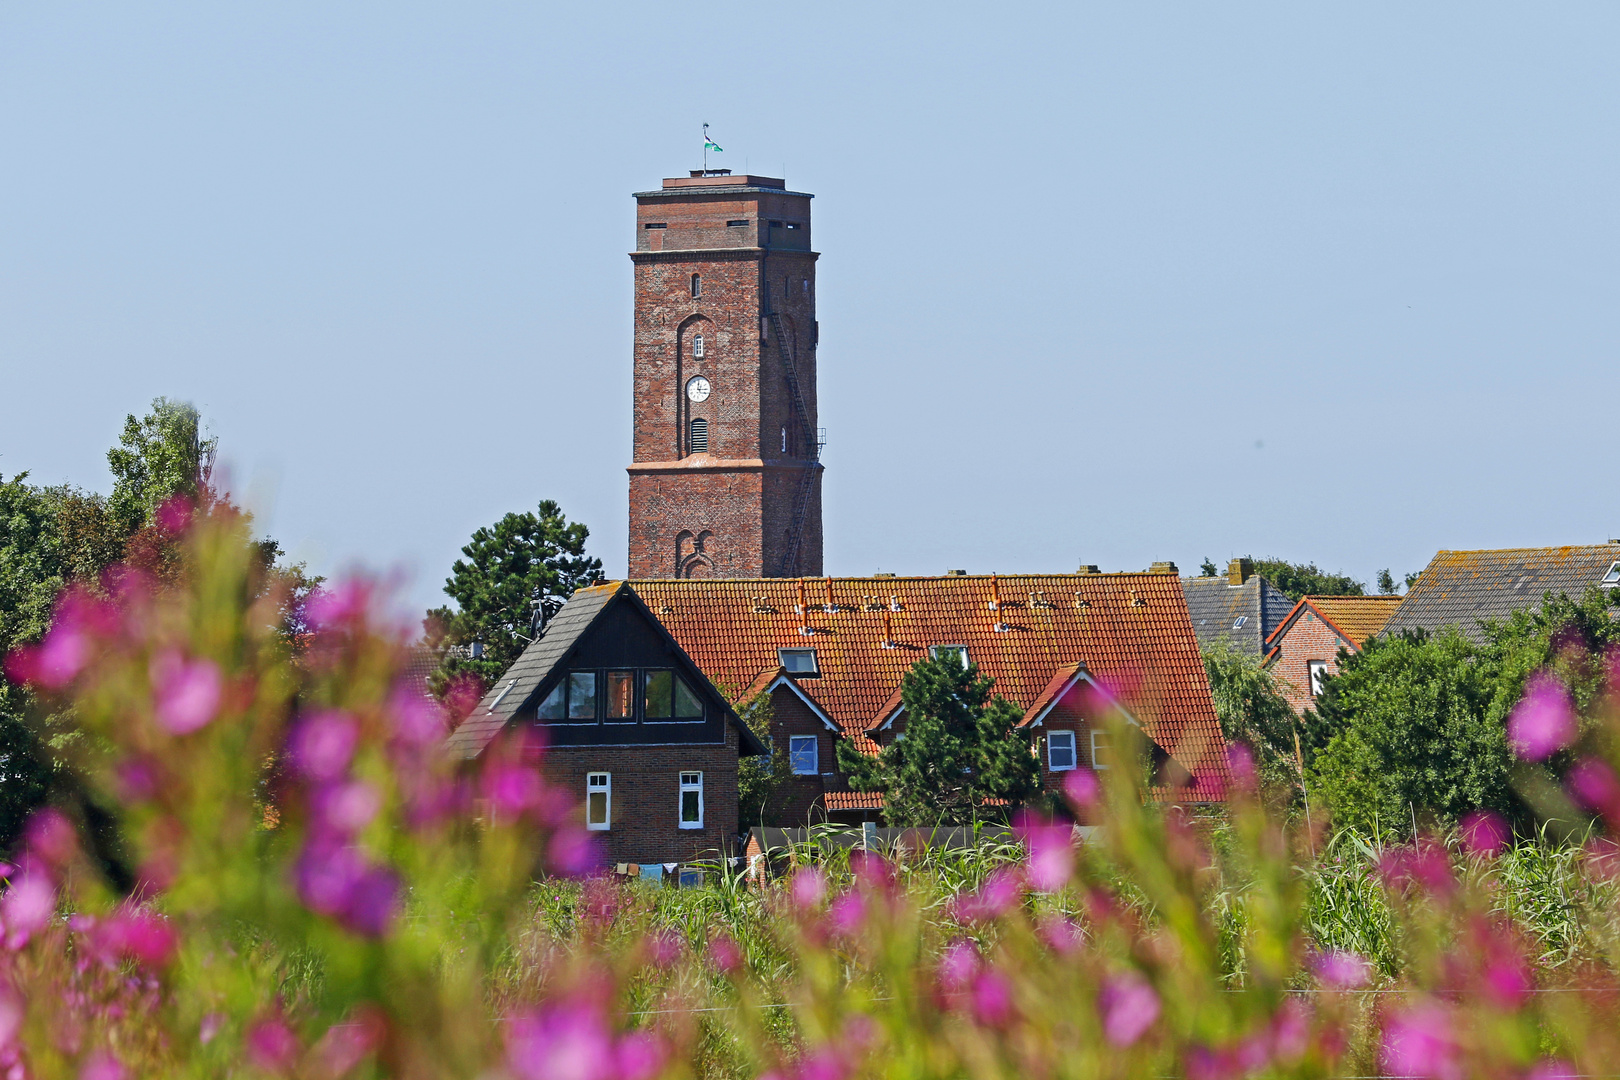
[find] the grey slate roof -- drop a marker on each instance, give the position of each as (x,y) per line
(519,682)
(1216,606)
(1460,588)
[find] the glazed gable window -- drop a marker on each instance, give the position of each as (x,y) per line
(668,697)
(1060,751)
(691,800)
(598,801)
(804,755)
(573,701)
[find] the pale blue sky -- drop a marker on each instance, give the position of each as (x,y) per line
(1116,282)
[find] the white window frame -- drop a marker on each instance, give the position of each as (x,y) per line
(813,669)
(1098,749)
(815,754)
(960,650)
(697,346)
(1612,576)
(605,786)
(690,781)
(696,286)
(1052,739)
(1315,671)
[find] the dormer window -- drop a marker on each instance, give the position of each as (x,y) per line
(698,443)
(1237,623)
(697,342)
(798,661)
(1613,576)
(959,652)
(697,286)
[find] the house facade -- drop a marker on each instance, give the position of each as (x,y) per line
(1466,588)
(1239,608)
(630,726)
(1064,648)
(1305,647)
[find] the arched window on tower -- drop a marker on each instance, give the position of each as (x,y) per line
(699,441)
(697,346)
(697,286)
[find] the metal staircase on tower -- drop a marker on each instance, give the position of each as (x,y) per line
(810,438)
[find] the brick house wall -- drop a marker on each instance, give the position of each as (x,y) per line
(1309,638)
(726,512)
(644,811)
(1065,715)
(801,802)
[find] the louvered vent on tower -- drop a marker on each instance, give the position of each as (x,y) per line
(699,442)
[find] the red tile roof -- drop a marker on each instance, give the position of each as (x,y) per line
(1356,618)
(853,800)
(1131,631)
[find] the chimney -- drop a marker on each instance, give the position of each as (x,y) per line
(1162,568)
(1239,571)
(1088,568)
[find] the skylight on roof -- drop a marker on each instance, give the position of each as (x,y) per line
(1237,624)
(1613,576)
(798,661)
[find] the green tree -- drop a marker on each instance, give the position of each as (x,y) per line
(961,748)
(1305,579)
(761,778)
(515,576)
(1252,711)
(1207,568)
(161,455)
(1416,724)
(1386,582)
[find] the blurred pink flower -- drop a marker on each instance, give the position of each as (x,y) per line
(323,743)
(418,721)
(271,1045)
(50,836)
(1543,722)
(512,789)
(1418,1041)
(142,934)
(1483,833)
(572,852)
(809,887)
(992,998)
(1062,934)
(1551,1069)
(1291,1031)
(1342,969)
(664,949)
(847,914)
(185,693)
(1000,891)
(1421,863)
(137,779)
(372,903)
(346,1045)
(1051,857)
(561,1042)
(823,1063)
(333,879)
(1594,786)
(724,953)
(174,514)
(348,807)
(640,1055)
(13,1010)
(1128,1007)
(1082,788)
(211,1023)
(957,965)
(1240,762)
(1209,1063)
(1506,977)
(102,1066)
(871,870)
(27,908)
(345,602)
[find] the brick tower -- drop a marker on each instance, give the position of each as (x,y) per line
(726,476)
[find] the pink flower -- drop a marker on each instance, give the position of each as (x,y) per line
(348,807)
(1419,1042)
(345,602)
(561,1042)
(1593,785)
(572,852)
(823,1063)
(847,914)
(1128,1006)
(1543,722)
(512,789)
(1506,977)
(142,934)
(185,693)
(809,887)
(640,1055)
(1342,970)
(992,998)
(272,1045)
(344,1046)
(323,743)
(957,965)
(13,1010)
(27,908)
(1000,891)
(51,836)
(1291,1031)
(1082,788)
(663,949)
(101,1066)
(174,514)
(372,903)
(1240,762)
(1062,934)
(1551,1069)
(333,879)
(1422,864)
(1051,857)
(418,721)
(1483,833)
(209,1027)
(724,953)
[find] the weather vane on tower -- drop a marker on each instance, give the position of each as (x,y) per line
(709,144)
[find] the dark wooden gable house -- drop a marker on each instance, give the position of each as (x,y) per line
(632,727)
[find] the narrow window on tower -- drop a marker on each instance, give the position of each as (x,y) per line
(697,346)
(699,442)
(697,286)
(784,440)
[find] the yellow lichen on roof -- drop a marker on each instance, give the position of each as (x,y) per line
(1356,617)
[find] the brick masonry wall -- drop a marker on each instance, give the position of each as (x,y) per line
(743,491)
(801,803)
(645,814)
(1309,638)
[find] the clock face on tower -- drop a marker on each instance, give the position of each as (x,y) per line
(697,388)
